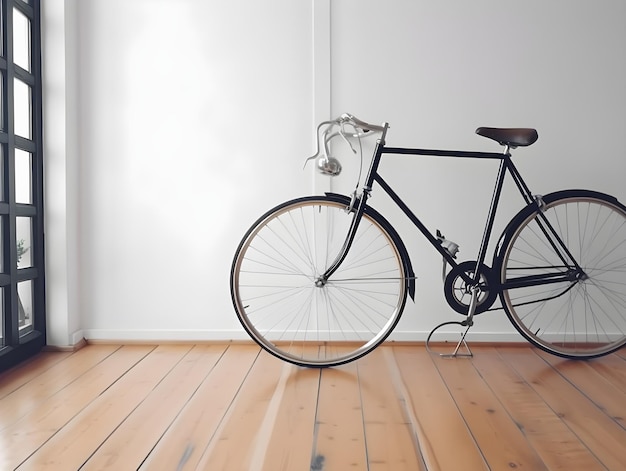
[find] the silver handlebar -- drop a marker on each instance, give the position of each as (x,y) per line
(348,118)
(328,164)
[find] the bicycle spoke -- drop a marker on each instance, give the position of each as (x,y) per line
(287,308)
(582,313)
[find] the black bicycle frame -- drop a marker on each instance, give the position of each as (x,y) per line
(506,165)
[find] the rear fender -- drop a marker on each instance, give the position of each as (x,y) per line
(533,208)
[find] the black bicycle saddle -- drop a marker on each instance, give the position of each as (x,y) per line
(512,137)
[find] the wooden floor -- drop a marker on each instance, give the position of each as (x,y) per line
(232,407)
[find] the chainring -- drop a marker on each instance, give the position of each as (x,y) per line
(458,292)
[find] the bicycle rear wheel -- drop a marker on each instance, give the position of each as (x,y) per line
(580,317)
(279,303)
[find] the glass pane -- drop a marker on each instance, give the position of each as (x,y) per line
(25,305)
(21,39)
(23,176)
(24,239)
(22,110)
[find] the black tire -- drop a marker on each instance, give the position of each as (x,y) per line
(284,310)
(585,315)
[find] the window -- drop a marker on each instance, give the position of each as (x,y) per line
(22,331)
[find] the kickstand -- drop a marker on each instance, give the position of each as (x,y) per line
(462,342)
(467,323)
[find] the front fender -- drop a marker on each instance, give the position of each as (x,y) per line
(404,254)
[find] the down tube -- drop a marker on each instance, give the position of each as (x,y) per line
(415,220)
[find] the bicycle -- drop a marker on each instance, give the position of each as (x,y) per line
(320,281)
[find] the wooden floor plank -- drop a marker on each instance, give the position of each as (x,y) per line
(72,446)
(613,368)
(23,438)
(232,406)
(291,442)
(49,382)
(441,423)
(182,446)
(555,443)
(603,436)
(132,441)
(601,391)
(388,430)
(502,443)
(339,441)
(16,377)
(245,419)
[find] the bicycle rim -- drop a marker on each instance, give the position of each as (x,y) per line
(286,312)
(581,318)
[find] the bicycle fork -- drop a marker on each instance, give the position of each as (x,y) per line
(360,203)
(343,252)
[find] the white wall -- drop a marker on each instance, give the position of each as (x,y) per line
(192,117)
(438,70)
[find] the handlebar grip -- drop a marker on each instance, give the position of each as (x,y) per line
(361,124)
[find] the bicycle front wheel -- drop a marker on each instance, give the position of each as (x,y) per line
(582,316)
(282,305)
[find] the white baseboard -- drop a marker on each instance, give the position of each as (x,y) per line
(164,335)
(475,336)
(76,342)
(66,348)
(77,337)
(102,335)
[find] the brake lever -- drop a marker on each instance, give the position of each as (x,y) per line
(342,133)
(310,158)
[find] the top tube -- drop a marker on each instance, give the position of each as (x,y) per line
(443,153)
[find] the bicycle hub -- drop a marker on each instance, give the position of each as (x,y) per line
(320,282)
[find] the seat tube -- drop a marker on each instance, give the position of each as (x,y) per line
(492,212)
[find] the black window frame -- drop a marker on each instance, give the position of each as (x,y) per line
(18,344)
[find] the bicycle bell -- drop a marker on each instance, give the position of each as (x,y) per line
(328,165)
